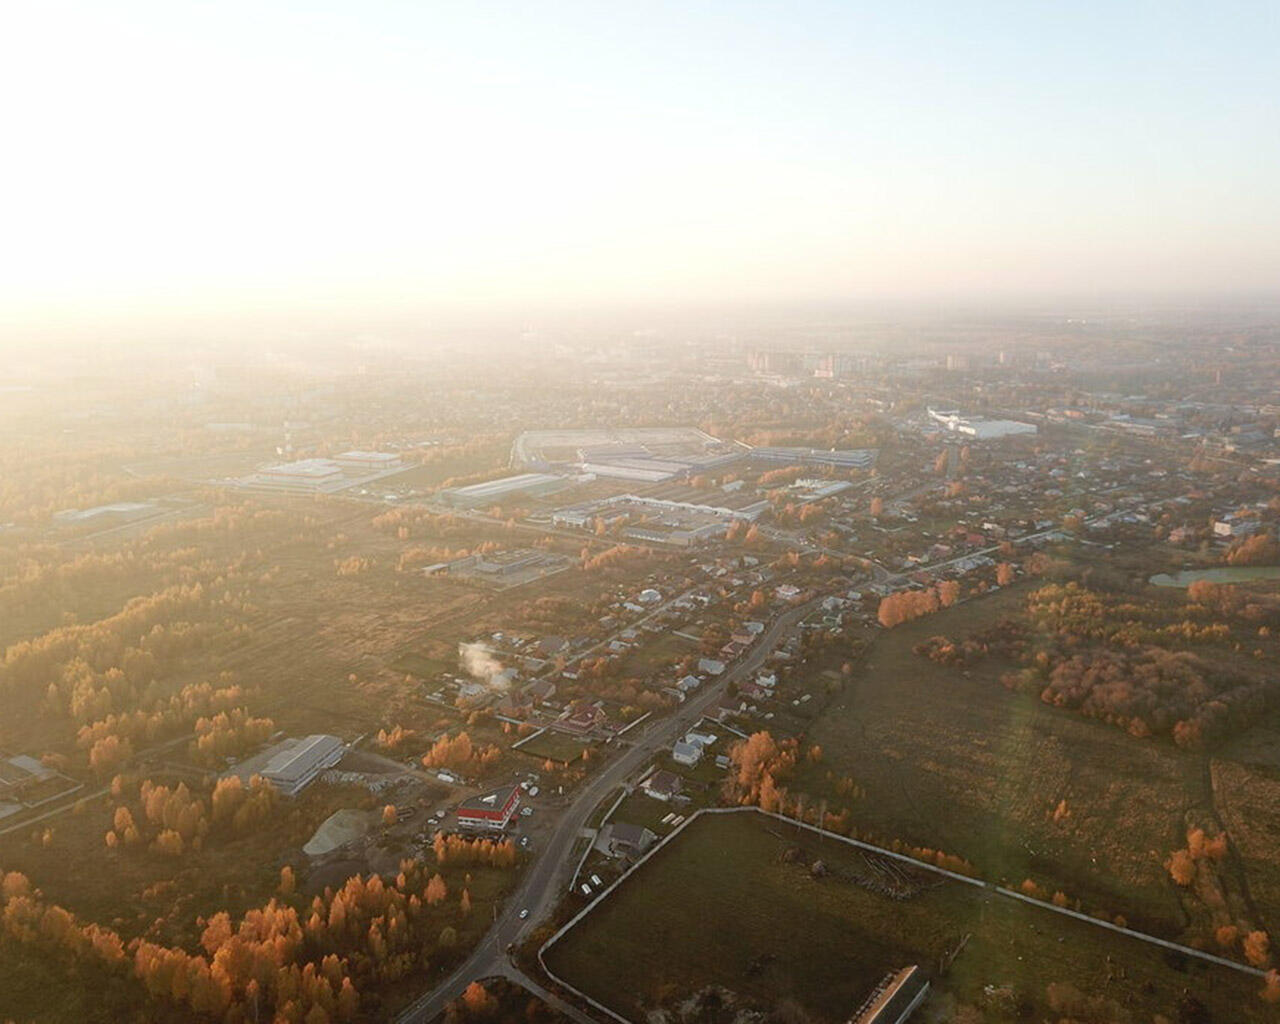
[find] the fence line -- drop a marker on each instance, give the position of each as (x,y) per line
(882,851)
(532,736)
(573,882)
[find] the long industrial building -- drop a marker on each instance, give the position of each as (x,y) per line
(302,475)
(976,427)
(295,764)
(644,454)
(750,511)
(847,458)
(324,475)
(494,492)
(642,470)
(368,462)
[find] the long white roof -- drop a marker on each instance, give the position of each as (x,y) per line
(301,757)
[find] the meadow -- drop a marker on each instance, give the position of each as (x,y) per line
(733,901)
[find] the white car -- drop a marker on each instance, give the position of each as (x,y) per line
(526,811)
(524,913)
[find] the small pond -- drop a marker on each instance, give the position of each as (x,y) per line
(1222,574)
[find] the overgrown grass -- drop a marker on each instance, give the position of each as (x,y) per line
(719,906)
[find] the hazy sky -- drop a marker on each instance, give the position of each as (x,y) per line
(366,154)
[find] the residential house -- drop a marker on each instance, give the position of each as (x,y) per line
(621,839)
(540,690)
(662,786)
(728,706)
(583,719)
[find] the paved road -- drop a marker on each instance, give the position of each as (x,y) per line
(546,879)
(510,971)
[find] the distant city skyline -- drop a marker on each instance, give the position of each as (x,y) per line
(175,163)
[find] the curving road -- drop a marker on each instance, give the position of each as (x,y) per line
(547,878)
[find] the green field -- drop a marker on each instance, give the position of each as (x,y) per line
(638,809)
(720,906)
(950,759)
(415,663)
(556,746)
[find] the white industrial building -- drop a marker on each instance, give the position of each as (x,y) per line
(369,462)
(681,449)
(748,511)
(839,458)
(120,509)
(324,475)
(494,492)
(303,475)
(978,428)
(294,764)
(643,470)
(812,489)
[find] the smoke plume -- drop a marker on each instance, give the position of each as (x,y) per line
(480,664)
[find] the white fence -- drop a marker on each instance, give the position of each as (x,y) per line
(880,851)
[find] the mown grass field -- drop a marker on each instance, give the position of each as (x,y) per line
(556,746)
(720,907)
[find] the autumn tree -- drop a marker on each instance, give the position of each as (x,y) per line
(1182,867)
(169,843)
(1260,549)
(904,605)
(478,1001)
(1257,948)
(109,753)
(436,890)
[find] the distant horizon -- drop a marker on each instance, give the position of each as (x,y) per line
(81,330)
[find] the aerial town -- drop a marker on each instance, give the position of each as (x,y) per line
(640,512)
(888,671)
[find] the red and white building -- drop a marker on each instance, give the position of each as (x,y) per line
(490,812)
(582,719)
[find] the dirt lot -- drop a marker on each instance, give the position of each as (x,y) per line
(721,907)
